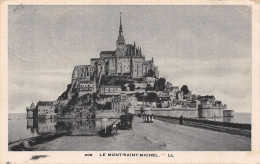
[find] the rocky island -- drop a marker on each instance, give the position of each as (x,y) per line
(124,81)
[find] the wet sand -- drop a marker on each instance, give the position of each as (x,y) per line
(157,136)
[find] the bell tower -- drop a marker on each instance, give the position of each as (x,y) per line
(120,43)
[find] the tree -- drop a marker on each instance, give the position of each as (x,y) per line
(139,96)
(107,106)
(119,83)
(140,80)
(89,103)
(185,89)
(160,84)
(95,96)
(124,88)
(98,106)
(149,87)
(103,80)
(150,73)
(56,110)
(159,105)
(151,97)
(132,87)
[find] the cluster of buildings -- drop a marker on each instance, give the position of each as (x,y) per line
(177,99)
(42,110)
(171,97)
(126,61)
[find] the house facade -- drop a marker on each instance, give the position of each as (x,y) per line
(46,109)
(110,90)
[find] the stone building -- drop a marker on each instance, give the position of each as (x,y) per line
(120,103)
(86,86)
(179,95)
(132,101)
(46,109)
(171,90)
(126,60)
(140,87)
(187,96)
(116,104)
(30,111)
(210,99)
(110,90)
(84,72)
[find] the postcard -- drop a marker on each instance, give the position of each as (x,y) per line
(130,82)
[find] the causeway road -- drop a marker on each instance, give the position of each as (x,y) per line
(156,136)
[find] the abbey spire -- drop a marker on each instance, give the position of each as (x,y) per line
(120,43)
(120,27)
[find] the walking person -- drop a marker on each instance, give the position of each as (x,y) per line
(148,118)
(151,118)
(114,129)
(181,120)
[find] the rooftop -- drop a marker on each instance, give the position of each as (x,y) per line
(45,103)
(95,59)
(206,97)
(107,52)
(110,86)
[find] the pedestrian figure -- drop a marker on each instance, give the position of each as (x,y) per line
(181,120)
(148,118)
(151,118)
(115,128)
(145,118)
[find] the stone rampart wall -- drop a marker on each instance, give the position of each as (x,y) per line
(172,112)
(107,114)
(228,113)
(185,112)
(211,112)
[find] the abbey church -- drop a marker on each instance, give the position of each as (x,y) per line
(126,60)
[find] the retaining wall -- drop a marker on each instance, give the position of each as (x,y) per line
(171,112)
(228,113)
(210,112)
(107,114)
(185,112)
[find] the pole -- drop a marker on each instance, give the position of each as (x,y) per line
(105,127)
(143,99)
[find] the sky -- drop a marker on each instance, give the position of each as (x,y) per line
(207,48)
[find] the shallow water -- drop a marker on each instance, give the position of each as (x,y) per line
(20,128)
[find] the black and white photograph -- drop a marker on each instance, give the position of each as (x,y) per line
(129,78)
